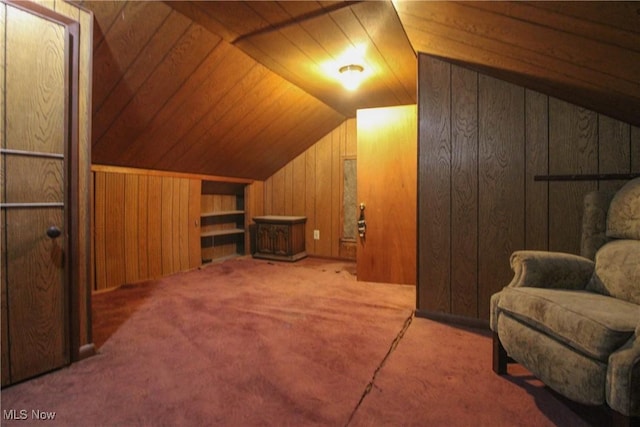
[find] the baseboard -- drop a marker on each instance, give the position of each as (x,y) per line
(331,258)
(453,319)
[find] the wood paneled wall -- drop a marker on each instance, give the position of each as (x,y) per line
(481,142)
(171,95)
(254,199)
(312,185)
(145,225)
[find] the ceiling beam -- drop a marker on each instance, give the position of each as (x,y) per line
(296,20)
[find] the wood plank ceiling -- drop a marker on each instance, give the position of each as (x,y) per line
(235,89)
(587,53)
(307,42)
(240,88)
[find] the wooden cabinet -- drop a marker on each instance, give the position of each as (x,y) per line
(280,237)
(222,220)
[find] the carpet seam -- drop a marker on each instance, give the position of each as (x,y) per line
(391,349)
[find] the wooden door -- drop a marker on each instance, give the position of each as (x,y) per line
(34,154)
(387,165)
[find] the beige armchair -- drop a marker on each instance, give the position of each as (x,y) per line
(575,322)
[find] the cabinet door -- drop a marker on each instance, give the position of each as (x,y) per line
(281,240)
(34,200)
(265,239)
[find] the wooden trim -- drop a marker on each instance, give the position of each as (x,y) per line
(86,20)
(41,11)
(32,205)
(31,153)
(72,57)
(295,20)
(153,172)
(453,319)
(221,213)
(348,240)
(333,258)
(226,232)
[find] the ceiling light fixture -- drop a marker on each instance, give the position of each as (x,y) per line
(351,76)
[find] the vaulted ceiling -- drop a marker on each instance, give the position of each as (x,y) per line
(240,88)
(587,53)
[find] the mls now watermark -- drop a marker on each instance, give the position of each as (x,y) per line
(23,414)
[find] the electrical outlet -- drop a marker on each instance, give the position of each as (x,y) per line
(316,234)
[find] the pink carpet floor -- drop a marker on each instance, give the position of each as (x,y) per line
(254,343)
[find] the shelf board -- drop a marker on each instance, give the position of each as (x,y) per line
(224,232)
(221,213)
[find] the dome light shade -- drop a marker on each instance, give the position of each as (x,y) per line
(351,76)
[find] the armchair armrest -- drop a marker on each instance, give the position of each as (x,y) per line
(553,270)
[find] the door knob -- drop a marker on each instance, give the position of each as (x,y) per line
(53,232)
(362,223)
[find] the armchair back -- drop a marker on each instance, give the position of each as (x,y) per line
(594,222)
(623,217)
(602,222)
(617,261)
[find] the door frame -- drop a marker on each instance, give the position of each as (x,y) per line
(71,292)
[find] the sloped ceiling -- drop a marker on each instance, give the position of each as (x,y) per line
(587,53)
(238,88)
(234,88)
(307,42)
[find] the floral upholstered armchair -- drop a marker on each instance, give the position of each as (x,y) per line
(574,322)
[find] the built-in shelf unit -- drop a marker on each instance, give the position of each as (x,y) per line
(222,220)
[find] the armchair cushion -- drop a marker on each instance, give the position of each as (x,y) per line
(623,218)
(617,271)
(590,323)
